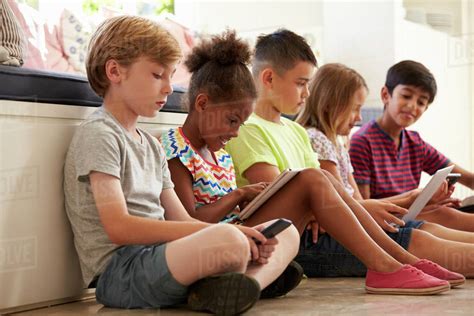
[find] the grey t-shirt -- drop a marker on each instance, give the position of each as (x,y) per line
(101,144)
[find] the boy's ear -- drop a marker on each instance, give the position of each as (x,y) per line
(113,71)
(200,104)
(267,77)
(385,95)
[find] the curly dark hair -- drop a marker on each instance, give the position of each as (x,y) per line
(219,68)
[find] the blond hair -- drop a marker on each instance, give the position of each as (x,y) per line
(125,39)
(331,93)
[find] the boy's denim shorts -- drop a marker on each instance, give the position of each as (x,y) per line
(139,277)
(328,258)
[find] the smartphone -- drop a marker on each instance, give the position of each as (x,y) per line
(452,178)
(275,228)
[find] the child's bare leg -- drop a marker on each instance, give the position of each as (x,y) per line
(226,249)
(449,254)
(449,217)
(309,195)
(452,255)
(447,233)
(213,250)
(285,251)
(455,256)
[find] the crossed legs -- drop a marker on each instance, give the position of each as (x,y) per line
(223,248)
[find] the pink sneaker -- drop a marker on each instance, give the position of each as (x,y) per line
(433,269)
(408,280)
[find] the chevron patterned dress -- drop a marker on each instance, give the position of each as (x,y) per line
(210,181)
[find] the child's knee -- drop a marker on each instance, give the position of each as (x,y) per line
(230,238)
(310,176)
(420,240)
(430,226)
(448,213)
(443,214)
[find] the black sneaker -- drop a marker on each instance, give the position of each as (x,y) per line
(225,294)
(287,281)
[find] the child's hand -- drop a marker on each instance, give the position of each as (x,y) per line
(450,201)
(261,249)
(443,193)
(385,213)
(253,235)
(249,192)
(266,249)
(313,225)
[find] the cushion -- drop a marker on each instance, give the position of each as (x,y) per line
(75,38)
(11,37)
(44,44)
(60,88)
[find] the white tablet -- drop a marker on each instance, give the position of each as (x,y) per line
(427,193)
(268,192)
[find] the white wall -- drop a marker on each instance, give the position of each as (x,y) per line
(243,15)
(252,18)
(359,34)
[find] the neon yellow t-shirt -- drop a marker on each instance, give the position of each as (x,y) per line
(284,145)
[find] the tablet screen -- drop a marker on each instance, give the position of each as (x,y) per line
(427,193)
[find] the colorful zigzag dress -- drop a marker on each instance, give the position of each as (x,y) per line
(210,181)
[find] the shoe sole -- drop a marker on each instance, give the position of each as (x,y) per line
(226,294)
(293,272)
(298,274)
(454,283)
(425,291)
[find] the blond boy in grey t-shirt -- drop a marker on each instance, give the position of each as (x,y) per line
(134,238)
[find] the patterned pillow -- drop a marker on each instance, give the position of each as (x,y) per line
(75,36)
(11,37)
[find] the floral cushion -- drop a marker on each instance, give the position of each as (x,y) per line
(43,48)
(75,36)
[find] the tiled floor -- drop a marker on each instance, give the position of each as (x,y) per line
(344,296)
